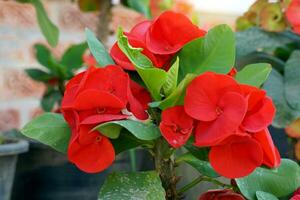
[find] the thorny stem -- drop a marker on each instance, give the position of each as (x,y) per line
(201,179)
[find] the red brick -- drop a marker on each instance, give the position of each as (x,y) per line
(9,119)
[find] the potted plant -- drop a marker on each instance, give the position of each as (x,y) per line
(168,86)
(269,32)
(9,150)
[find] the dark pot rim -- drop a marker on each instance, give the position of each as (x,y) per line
(14,147)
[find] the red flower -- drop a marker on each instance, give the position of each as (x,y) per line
(93,97)
(225,194)
(176,126)
(215,100)
(136,38)
(296,195)
(232,119)
(89,60)
(293,15)
(170,32)
(232,72)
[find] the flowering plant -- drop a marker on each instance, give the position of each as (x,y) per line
(168,85)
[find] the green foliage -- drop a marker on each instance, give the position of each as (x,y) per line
(202,166)
(72,57)
(50,98)
(49,30)
(38,75)
(142,131)
(97,49)
(142,6)
(50,129)
(214,52)
(154,78)
(280,182)
(172,76)
(254,74)
(265,196)
(135,185)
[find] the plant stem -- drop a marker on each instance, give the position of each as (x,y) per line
(164,165)
(200,179)
(132,155)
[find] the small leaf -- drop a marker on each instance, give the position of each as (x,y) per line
(154,78)
(38,75)
(49,30)
(97,49)
(172,76)
(140,130)
(202,166)
(42,54)
(72,58)
(280,182)
(50,129)
(292,80)
(49,99)
(134,185)
(254,74)
(265,196)
(214,52)
(142,6)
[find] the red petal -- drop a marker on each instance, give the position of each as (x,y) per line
(139,31)
(204,92)
(176,126)
(238,158)
(97,119)
(93,157)
(92,98)
(293,13)
(120,58)
(225,194)
(233,107)
(141,94)
(260,118)
(271,154)
(170,32)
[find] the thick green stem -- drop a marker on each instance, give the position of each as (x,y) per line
(164,164)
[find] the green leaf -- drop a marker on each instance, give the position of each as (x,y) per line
(49,30)
(172,76)
(38,75)
(254,74)
(49,99)
(134,185)
(265,196)
(72,57)
(142,6)
(42,54)
(292,80)
(214,52)
(50,129)
(154,78)
(140,130)
(255,39)
(177,96)
(202,166)
(275,89)
(279,182)
(200,153)
(97,49)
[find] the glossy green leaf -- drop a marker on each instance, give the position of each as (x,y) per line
(49,30)
(275,89)
(292,80)
(154,78)
(172,76)
(214,52)
(280,182)
(202,166)
(140,130)
(73,56)
(134,185)
(38,75)
(142,6)
(177,96)
(260,195)
(50,129)
(97,49)
(254,74)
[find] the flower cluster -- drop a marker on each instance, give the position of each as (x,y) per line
(160,39)
(92,97)
(229,117)
(293,15)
